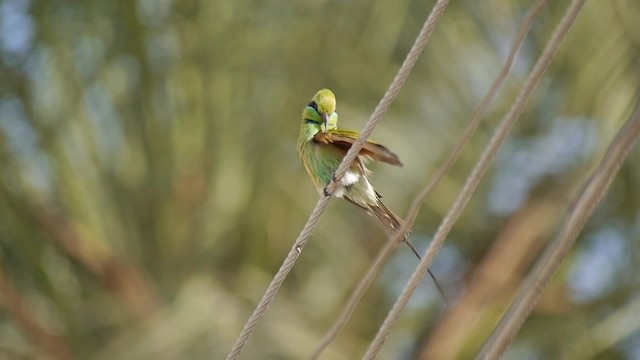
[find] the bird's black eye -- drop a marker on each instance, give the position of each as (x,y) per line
(313,105)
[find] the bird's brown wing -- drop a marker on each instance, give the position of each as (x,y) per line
(343,139)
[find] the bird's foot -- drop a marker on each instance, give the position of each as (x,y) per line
(326,191)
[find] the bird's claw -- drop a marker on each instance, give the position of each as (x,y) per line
(335,180)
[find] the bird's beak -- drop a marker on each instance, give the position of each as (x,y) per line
(325,118)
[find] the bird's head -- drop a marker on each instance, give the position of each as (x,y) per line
(325,102)
(322,110)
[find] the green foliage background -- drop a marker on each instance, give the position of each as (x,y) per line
(150,186)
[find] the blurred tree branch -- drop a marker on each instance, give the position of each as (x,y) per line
(129,282)
(460,332)
(52,346)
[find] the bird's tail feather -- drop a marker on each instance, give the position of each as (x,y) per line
(391,223)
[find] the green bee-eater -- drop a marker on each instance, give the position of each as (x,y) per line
(321,147)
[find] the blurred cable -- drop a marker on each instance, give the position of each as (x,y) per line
(476,175)
(356,296)
(496,278)
(586,202)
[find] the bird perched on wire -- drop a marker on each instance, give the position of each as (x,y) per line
(322,145)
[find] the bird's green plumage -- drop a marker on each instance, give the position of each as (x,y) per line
(322,146)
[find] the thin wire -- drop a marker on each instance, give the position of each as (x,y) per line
(394,89)
(314,218)
(355,297)
(586,202)
(476,175)
(412,214)
(278,279)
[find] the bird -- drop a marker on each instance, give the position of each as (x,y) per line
(321,147)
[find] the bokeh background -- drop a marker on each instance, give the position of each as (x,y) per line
(150,186)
